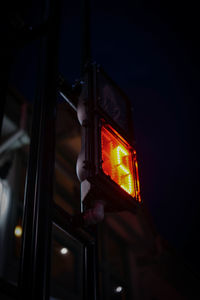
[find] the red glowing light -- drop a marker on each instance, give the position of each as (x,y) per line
(119,161)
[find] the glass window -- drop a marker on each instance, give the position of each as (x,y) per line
(5,297)
(14,152)
(114,265)
(68,144)
(66,267)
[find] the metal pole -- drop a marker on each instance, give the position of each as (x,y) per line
(86,34)
(6,59)
(36,250)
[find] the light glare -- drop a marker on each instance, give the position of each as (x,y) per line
(18,231)
(4,199)
(64,251)
(118,289)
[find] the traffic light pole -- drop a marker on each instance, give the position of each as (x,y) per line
(91,254)
(35,260)
(86,34)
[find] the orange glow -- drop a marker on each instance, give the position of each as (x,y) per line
(119,161)
(137,180)
(18,231)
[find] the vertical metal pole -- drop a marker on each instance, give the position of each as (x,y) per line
(36,251)
(90,254)
(90,284)
(86,34)
(6,58)
(3,91)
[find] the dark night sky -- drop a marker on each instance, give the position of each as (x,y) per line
(151,50)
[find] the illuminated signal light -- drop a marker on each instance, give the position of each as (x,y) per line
(119,161)
(137,180)
(124,172)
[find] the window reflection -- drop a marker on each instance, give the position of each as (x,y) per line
(68,144)
(14,150)
(66,267)
(114,276)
